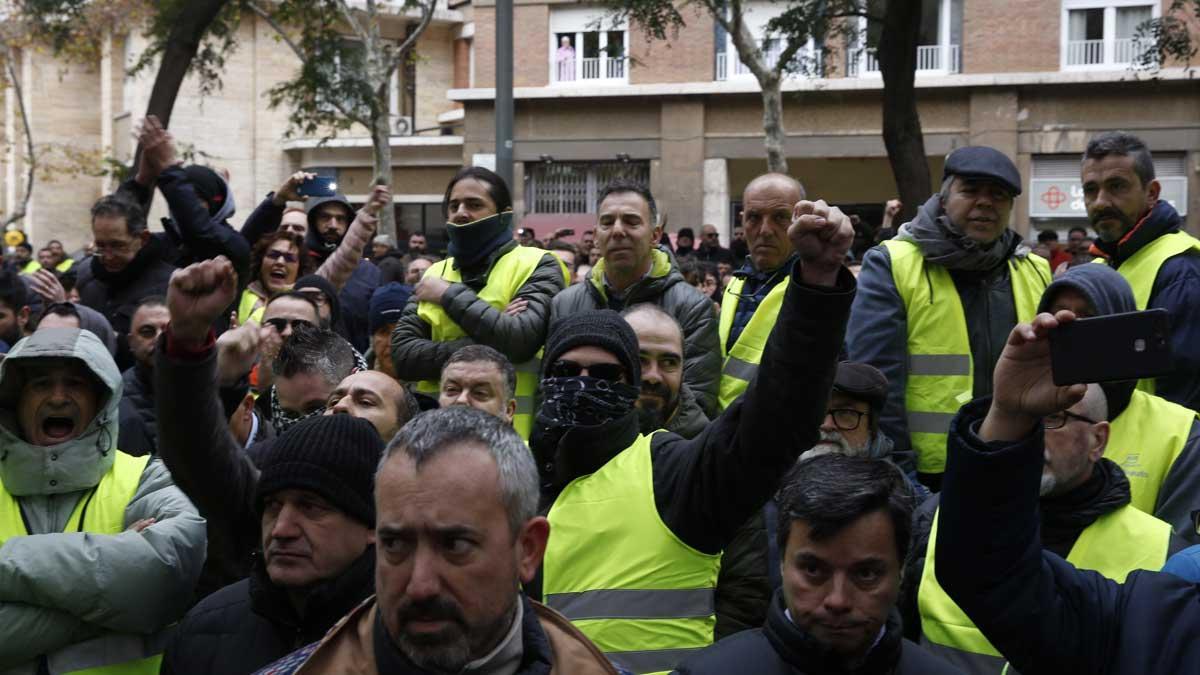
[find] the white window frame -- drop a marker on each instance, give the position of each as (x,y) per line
(727,67)
(580,20)
(951,54)
(1110,29)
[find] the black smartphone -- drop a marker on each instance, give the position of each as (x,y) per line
(318,186)
(1129,346)
(566,232)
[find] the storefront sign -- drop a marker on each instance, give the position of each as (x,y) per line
(1063,198)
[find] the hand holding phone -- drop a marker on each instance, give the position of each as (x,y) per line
(317,186)
(1129,346)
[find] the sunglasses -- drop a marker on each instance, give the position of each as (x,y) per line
(282,255)
(601,371)
(280,324)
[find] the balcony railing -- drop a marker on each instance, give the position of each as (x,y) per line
(1085,52)
(598,68)
(930,59)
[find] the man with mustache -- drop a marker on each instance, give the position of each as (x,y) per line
(99,551)
(458,532)
(843,532)
(936,303)
(1142,237)
(665,402)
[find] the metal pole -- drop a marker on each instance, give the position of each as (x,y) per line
(504,91)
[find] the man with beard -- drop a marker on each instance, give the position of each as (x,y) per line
(329,220)
(1085,516)
(1142,237)
(665,401)
(458,532)
(938,301)
(625,506)
(14,308)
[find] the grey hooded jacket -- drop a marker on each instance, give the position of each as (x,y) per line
(64,596)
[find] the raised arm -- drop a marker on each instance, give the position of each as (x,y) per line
(706,488)
(338,267)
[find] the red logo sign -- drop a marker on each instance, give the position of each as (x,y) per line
(1054,197)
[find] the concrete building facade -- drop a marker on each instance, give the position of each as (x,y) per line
(1034,78)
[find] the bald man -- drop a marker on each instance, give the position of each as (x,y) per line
(665,401)
(752,298)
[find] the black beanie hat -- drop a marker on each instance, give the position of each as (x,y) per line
(321,283)
(601,328)
(209,186)
(334,456)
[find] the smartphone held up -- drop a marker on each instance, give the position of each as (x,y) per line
(1129,346)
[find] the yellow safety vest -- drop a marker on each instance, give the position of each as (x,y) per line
(612,567)
(505,279)
(251,307)
(65,265)
(940,367)
(741,362)
(1141,270)
(101,511)
(31,267)
(1145,440)
(1116,544)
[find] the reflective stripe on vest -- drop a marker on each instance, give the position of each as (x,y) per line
(1116,544)
(940,370)
(100,511)
(1141,271)
(504,280)
(620,575)
(1146,457)
(65,265)
(741,362)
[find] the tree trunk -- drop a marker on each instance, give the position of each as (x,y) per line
(14,83)
(773,133)
(382,154)
(181,47)
(901,122)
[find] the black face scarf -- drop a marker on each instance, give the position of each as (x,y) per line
(470,244)
(598,414)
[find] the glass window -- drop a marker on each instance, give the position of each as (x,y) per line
(572,187)
(1086,24)
(1128,20)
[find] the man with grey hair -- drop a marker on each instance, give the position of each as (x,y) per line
(935,304)
(457,532)
(480,377)
(1085,516)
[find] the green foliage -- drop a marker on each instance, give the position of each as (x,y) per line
(1170,37)
(219,42)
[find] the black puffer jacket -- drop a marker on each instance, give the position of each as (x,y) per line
(251,623)
(663,286)
(137,398)
(417,357)
(782,648)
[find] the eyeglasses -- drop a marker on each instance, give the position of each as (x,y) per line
(280,324)
(1059,420)
(846,419)
(601,371)
(282,255)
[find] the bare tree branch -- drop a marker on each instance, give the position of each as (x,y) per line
(355,26)
(411,41)
(15,84)
(266,16)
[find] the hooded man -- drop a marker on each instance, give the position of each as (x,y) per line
(635,268)
(1163,467)
(1142,237)
(625,506)
(490,291)
(938,301)
(329,221)
(99,551)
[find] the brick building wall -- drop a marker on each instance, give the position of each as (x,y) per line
(686,56)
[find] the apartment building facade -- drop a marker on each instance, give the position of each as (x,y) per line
(93,108)
(1034,78)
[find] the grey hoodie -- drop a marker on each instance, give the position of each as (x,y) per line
(1179,495)
(66,594)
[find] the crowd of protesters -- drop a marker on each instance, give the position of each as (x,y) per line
(304,446)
